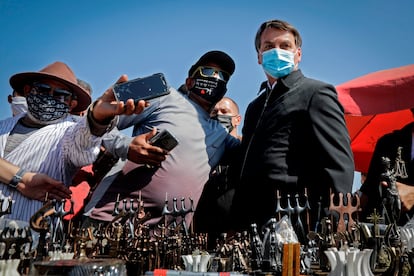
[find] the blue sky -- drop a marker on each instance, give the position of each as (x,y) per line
(100,40)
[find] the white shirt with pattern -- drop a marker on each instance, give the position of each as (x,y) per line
(57,150)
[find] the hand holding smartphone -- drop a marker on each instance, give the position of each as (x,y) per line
(141,88)
(164,139)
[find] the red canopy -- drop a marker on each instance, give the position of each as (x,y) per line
(364,132)
(379,92)
(376,104)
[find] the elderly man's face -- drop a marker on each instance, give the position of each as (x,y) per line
(48,100)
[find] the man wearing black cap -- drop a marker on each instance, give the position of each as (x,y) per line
(201,144)
(46,140)
(210,88)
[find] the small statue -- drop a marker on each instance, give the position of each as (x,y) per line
(399,167)
(256,248)
(389,194)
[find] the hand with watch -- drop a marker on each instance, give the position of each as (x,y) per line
(32,185)
(17,178)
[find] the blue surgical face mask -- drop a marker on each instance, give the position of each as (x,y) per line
(278,63)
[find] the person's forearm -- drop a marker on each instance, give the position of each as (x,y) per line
(7,171)
(117,143)
(99,127)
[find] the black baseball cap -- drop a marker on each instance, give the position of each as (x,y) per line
(223,60)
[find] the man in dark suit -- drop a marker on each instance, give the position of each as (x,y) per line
(294,134)
(398,147)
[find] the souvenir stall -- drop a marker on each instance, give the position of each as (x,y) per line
(339,244)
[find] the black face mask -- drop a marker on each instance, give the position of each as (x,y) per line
(225,120)
(210,89)
(45,109)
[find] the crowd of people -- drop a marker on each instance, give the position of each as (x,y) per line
(294,139)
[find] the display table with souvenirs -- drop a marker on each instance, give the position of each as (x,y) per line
(339,245)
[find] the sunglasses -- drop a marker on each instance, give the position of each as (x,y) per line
(46,89)
(206,71)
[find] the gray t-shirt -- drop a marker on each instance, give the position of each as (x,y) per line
(19,133)
(202,143)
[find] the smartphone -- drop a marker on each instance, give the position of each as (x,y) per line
(141,88)
(164,139)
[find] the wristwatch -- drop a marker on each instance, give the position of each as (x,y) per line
(17,178)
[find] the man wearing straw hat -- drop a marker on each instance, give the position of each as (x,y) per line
(46,139)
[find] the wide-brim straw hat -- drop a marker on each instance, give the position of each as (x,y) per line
(58,71)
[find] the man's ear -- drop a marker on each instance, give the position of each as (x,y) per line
(237,118)
(26,89)
(189,82)
(73,104)
(298,56)
(259,58)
